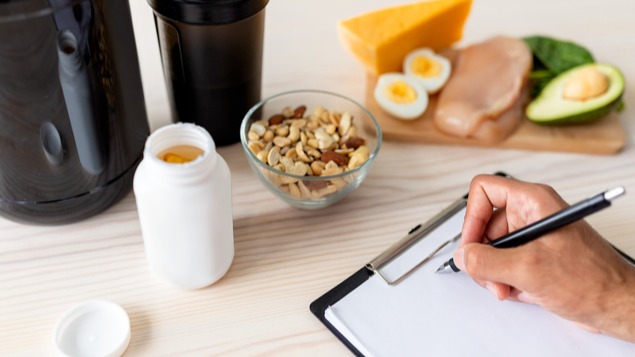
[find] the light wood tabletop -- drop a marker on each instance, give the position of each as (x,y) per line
(285,258)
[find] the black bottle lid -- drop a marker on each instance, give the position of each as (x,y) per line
(207,12)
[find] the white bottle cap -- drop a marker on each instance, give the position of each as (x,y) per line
(94,328)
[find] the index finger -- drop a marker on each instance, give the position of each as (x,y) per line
(487,192)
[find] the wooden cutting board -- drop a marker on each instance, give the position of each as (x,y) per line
(604,136)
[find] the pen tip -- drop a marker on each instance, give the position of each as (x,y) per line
(440,269)
(448,268)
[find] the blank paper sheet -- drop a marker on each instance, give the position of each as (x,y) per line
(430,314)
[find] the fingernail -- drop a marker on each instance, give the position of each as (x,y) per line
(526,298)
(459,258)
(492,289)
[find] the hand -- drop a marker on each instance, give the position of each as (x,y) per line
(572,271)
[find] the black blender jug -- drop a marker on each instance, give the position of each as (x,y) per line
(72,114)
(212,59)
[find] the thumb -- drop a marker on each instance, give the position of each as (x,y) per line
(484,262)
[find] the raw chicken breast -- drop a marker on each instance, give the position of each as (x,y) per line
(482,97)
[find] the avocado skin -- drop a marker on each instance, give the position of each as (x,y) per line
(534,110)
(582,118)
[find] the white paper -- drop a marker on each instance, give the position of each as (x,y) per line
(447,315)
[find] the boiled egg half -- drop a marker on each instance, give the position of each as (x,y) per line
(429,68)
(401,96)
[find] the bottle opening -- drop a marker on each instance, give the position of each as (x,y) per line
(179,143)
(180,154)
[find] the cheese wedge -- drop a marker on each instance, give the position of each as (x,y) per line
(381,39)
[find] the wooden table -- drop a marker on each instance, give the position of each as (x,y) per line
(285,258)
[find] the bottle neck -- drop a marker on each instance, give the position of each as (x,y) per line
(175,135)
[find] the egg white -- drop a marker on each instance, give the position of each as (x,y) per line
(434,83)
(406,111)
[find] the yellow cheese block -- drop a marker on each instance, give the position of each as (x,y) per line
(381,39)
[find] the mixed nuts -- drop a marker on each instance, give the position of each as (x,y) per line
(319,144)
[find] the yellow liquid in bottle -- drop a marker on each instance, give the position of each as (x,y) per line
(180,154)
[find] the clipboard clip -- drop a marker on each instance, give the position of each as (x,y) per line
(414,236)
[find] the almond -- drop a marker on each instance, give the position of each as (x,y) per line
(354,143)
(315,185)
(276,119)
(298,113)
(339,159)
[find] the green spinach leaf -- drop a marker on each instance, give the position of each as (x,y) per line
(557,55)
(552,57)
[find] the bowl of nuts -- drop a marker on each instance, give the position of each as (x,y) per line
(311,148)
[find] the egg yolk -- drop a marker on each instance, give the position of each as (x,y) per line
(400,92)
(426,67)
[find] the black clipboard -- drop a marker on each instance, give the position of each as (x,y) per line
(330,298)
(319,306)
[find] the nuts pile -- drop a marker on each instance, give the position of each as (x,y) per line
(321,143)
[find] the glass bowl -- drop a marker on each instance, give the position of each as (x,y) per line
(311,148)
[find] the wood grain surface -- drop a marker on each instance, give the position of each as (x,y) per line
(285,258)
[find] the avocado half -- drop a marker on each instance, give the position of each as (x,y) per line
(550,107)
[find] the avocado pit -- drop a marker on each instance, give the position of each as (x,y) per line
(585,84)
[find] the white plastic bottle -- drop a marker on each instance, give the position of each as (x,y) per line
(185,209)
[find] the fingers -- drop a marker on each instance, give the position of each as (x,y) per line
(497,205)
(493,189)
(587,327)
(487,264)
(523,296)
(497,226)
(501,291)
(487,192)
(478,213)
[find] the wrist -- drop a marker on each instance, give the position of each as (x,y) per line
(620,319)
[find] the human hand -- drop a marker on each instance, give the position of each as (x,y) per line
(572,271)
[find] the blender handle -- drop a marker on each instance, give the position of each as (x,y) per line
(77,92)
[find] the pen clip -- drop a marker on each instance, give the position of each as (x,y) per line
(425,260)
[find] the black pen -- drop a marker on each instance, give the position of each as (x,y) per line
(548,224)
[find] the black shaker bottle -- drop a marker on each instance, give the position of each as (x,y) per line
(212,59)
(73,120)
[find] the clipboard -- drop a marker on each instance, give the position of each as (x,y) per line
(391,307)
